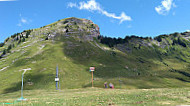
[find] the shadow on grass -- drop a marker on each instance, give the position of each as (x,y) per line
(15,87)
(182,73)
(87,85)
(107,65)
(114,66)
(30,82)
(181,79)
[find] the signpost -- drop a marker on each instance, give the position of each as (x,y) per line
(56,78)
(92,70)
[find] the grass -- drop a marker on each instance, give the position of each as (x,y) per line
(143,67)
(74,57)
(102,97)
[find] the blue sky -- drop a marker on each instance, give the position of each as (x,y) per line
(116,18)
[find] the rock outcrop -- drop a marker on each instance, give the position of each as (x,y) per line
(72,27)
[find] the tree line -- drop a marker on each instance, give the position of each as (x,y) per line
(18,38)
(111,42)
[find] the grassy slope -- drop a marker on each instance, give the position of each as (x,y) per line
(97,96)
(146,69)
(74,59)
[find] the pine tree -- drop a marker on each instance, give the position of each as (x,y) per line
(1,44)
(9,48)
(26,35)
(19,41)
(4,52)
(23,40)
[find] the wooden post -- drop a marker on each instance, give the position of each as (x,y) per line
(92,69)
(92,79)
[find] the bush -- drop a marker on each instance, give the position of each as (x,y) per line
(4,52)
(6,39)
(17,38)
(26,36)
(46,38)
(182,42)
(1,44)
(67,30)
(19,41)
(176,34)
(28,33)
(159,38)
(175,41)
(65,22)
(23,39)
(9,48)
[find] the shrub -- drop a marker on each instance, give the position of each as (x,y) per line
(19,41)
(17,38)
(46,38)
(182,42)
(23,39)
(9,48)
(4,51)
(28,33)
(176,34)
(1,44)
(65,22)
(6,39)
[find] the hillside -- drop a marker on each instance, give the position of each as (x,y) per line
(75,44)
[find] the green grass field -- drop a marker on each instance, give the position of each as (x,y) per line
(74,59)
(142,75)
(99,97)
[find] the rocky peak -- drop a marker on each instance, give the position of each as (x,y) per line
(75,27)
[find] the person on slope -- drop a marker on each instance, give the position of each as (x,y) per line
(111,85)
(105,85)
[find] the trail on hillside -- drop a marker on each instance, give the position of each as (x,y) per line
(4,68)
(99,46)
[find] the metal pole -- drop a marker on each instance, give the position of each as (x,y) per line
(92,79)
(119,82)
(57,77)
(22,85)
(59,83)
(22,98)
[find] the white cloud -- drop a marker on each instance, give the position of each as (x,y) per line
(92,5)
(72,5)
(165,7)
(8,0)
(174,5)
(23,21)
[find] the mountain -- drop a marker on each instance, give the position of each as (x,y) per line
(75,44)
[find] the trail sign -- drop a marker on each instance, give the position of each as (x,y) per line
(91,70)
(56,79)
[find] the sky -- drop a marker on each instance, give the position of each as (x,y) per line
(116,18)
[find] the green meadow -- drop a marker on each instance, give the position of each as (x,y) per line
(100,97)
(141,74)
